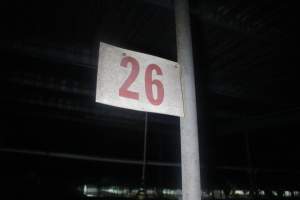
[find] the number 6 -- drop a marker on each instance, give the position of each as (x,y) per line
(149,82)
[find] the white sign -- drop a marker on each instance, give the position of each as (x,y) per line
(138,81)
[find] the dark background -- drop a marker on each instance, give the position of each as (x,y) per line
(247,96)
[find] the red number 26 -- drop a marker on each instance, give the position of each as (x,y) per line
(149,82)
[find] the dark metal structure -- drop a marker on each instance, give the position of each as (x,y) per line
(54,137)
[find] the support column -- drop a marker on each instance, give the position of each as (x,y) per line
(191,187)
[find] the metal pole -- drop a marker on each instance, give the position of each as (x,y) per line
(191,187)
(145,150)
(87,158)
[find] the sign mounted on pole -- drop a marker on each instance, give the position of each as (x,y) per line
(138,81)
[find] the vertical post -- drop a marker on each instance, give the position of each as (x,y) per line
(145,150)
(191,187)
(250,166)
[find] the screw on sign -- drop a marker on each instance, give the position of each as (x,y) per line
(138,81)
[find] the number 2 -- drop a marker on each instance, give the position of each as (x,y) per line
(149,82)
(123,91)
